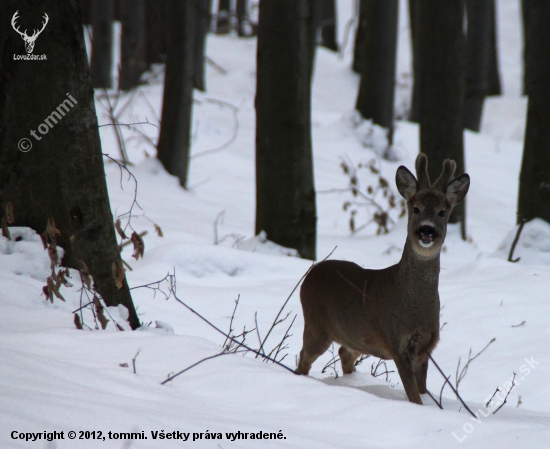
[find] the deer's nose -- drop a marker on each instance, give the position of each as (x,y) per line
(427,234)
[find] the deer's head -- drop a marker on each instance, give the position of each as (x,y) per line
(29,40)
(429,206)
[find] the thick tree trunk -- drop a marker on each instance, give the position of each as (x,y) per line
(493,83)
(202,21)
(177,105)
(285,194)
(534,184)
(132,58)
(376,90)
(157,22)
(50,104)
(478,51)
(102,45)
(328,25)
(442,65)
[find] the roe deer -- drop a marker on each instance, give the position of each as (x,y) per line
(391,313)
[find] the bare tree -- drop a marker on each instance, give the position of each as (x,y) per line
(48,105)
(285,194)
(103,12)
(132,51)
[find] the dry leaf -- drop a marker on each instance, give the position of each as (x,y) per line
(159,231)
(99,313)
(5,230)
(77,322)
(83,268)
(71,239)
(123,365)
(118,273)
(53,232)
(44,238)
(9,212)
(139,246)
(119,229)
(52,252)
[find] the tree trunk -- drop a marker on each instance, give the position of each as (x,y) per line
(102,44)
(534,184)
(415,97)
(359,37)
(157,22)
(285,194)
(526,19)
(50,104)
(242,18)
(175,129)
(442,65)
(223,21)
(376,90)
(132,58)
(328,25)
(493,83)
(478,46)
(202,21)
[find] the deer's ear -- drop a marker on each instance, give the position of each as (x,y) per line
(457,189)
(406,183)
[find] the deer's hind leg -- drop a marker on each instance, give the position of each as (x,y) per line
(315,344)
(347,358)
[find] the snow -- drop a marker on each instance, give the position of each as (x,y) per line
(57,378)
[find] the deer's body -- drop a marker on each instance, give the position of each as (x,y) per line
(391,313)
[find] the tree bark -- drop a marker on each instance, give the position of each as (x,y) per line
(415,97)
(359,37)
(242,18)
(223,21)
(526,20)
(441,103)
(493,83)
(102,44)
(377,87)
(478,51)
(534,184)
(132,58)
(285,194)
(177,105)
(50,103)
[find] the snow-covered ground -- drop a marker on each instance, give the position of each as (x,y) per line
(57,378)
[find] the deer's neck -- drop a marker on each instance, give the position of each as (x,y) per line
(419,270)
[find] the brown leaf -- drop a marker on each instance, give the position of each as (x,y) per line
(139,246)
(123,365)
(72,239)
(44,238)
(77,322)
(118,273)
(5,230)
(53,232)
(159,231)
(9,212)
(52,252)
(83,268)
(47,293)
(99,313)
(119,229)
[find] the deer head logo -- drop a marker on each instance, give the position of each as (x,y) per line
(29,40)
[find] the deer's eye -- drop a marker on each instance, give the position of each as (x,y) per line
(441,213)
(416,210)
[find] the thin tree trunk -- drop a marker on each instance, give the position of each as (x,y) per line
(328,25)
(102,45)
(175,130)
(285,194)
(478,49)
(132,60)
(415,98)
(223,21)
(376,90)
(202,21)
(242,18)
(526,20)
(359,37)
(534,184)
(493,83)
(442,65)
(50,103)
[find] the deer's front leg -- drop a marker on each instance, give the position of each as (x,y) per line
(405,369)
(420,368)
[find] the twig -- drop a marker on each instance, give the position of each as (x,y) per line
(258,331)
(514,243)
(506,397)
(231,321)
(494,394)
(520,324)
(134,360)
(288,299)
(218,67)
(462,374)
(332,362)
